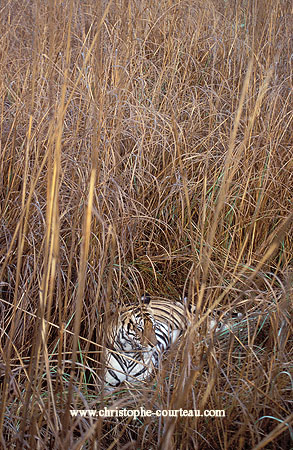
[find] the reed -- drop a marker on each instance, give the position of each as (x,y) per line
(145,146)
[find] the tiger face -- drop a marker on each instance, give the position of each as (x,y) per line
(141,334)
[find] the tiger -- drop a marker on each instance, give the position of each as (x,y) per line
(139,335)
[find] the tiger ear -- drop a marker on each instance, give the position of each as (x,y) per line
(148,334)
(146,298)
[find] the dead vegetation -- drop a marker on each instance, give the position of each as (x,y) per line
(145,146)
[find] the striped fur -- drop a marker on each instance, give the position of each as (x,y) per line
(139,335)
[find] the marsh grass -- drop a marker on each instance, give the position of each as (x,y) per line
(145,146)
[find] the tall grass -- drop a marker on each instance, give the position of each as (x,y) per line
(145,146)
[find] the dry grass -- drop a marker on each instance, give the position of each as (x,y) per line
(145,146)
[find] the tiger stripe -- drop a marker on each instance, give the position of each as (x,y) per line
(139,335)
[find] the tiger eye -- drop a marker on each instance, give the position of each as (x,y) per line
(141,334)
